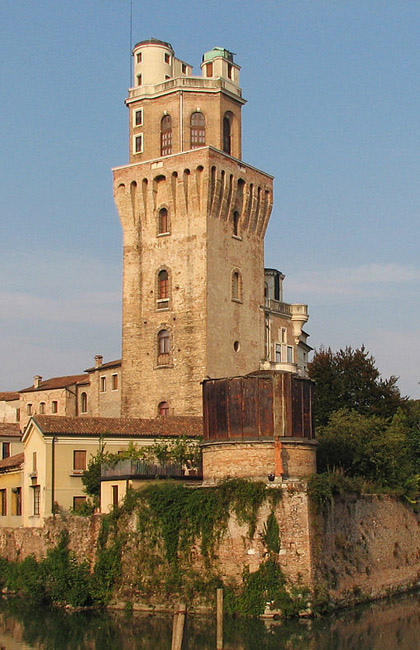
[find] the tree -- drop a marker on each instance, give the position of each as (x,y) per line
(349,379)
(370,447)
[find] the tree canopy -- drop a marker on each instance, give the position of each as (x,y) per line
(349,379)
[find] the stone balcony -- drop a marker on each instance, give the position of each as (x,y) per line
(184,83)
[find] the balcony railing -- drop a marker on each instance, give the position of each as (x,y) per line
(139,469)
(184,83)
(286,309)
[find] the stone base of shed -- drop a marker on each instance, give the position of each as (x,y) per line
(260,460)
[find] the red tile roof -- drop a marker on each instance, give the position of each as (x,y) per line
(104,366)
(123,427)
(9,395)
(10,429)
(11,462)
(56,382)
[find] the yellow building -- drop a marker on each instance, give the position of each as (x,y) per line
(11,475)
(57,451)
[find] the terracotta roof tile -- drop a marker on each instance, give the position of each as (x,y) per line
(9,395)
(126,427)
(10,429)
(11,462)
(104,366)
(56,382)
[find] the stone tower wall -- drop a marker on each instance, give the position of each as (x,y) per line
(201,190)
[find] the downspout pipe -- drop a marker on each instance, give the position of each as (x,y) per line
(54,440)
(181,119)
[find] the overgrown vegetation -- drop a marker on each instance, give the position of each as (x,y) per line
(181,451)
(171,552)
(57,579)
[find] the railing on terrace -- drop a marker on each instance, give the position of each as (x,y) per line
(286,309)
(280,307)
(184,83)
(140,469)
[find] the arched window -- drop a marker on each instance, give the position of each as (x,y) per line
(227,133)
(163,289)
(236,224)
(163,409)
(166,136)
(83,403)
(236,286)
(163,222)
(163,348)
(198,130)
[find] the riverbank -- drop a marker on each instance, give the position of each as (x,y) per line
(261,544)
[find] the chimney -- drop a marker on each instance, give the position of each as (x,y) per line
(37,381)
(98,360)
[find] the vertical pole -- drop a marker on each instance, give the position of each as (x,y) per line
(219,614)
(174,626)
(178,626)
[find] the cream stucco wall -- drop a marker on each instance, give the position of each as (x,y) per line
(10,481)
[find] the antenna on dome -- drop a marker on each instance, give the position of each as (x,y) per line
(131,43)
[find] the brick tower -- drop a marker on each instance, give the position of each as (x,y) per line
(194,217)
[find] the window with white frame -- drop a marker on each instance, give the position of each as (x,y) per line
(102,384)
(138,143)
(138,117)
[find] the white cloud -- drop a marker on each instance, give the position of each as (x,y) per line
(368,281)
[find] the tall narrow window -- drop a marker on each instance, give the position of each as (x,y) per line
(115,495)
(163,409)
(138,117)
(209,69)
(163,222)
(37,499)
(6,450)
(29,409)
(34,462)
(166,136)
(138,57)
(102,384)
(236,224)
(3,503)
(230,70)
(198,130)
(138,144)
(236,286)
(42,408)
(17,501)
(163,288)
(289,354)
(54,406)
(139,80)
(114,379)
(84,402)
(163,348)
(227,135)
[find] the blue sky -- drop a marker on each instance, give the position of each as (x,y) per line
(333,93)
